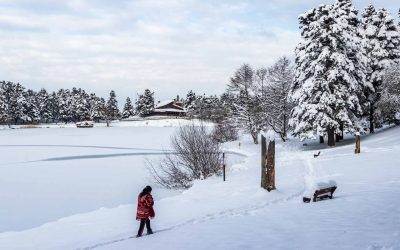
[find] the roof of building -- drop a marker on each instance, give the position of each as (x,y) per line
(174,105)
(163,103)
(169,110)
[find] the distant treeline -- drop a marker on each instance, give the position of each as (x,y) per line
(19,105)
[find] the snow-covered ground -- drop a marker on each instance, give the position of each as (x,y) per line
(236,214)
(59,170)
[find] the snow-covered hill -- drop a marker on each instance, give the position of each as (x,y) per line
(237,214)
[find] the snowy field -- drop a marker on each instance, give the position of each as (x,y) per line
(237,214)
(47,174)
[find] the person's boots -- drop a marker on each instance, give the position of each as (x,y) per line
(149,231)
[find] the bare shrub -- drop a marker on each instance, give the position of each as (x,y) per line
(195,156)
(224,132)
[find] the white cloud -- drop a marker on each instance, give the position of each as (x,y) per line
(168,46)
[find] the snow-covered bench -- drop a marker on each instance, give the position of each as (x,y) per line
(323,190)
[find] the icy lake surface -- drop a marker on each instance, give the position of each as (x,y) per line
(47,174)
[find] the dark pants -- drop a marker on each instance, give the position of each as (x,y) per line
(141,228)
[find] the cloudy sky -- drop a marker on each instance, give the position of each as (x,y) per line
(169,46)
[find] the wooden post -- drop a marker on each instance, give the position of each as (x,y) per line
(358,144)
(223,165)
(341,135)
(263,162)
(271,166)
(321,139)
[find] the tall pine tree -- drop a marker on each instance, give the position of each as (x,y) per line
(112,111)
(145,103)
(128,109)
(327,84)
(382,46)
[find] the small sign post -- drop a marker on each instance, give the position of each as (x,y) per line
(223,165)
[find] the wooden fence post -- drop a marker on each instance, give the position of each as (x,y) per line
(271,165)
(263,162)
(358,144)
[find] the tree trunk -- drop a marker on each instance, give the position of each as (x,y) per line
(283,136)
(321,139)
(358,145)
(284,132)
(371,119)
(331,137)
(263,162)
(271,166)
(337,137)
(341,136)
(255,137)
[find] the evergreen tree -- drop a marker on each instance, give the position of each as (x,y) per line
(15,100)
(382,46)
(327,83)
(96,107)
(30,106)
(79,105)
(128,109)
(54,107)
(209,108)
(145,103)
(112,111)
(44,102)
(388,106)
(190,103)
(3,104)
(65,105)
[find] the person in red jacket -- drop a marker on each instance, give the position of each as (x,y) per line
(145,210)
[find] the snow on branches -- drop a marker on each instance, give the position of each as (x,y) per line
(329,73)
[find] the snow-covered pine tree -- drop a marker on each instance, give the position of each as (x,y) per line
(75,95)
(79,104)
(382,46)
(64,105)
(97,108)
(209,108)
(54,107)
(388,106)
(3,105)
(30,105)
(347,16)
(44,105)
(190,103)
(84,106)
(94,107)
(326,88)
(247,114)
(276,103)
(128,109)
(112,111)
(145,103)
(15,100)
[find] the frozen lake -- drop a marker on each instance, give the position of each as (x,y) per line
(47,174)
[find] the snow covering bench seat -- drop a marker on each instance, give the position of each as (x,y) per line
(323,190)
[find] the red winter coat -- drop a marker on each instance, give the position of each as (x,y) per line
(145,207)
